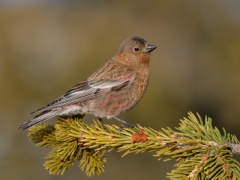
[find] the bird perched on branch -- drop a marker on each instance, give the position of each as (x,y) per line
(112,90)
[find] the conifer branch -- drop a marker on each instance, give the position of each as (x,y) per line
(201,151)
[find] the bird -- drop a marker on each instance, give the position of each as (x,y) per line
(113,89)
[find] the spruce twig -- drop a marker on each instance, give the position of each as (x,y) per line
(200,149)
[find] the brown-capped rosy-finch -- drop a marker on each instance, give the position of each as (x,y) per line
(112,90)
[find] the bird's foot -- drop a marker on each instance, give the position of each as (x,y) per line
(102,123)
(124,124)
(76,116)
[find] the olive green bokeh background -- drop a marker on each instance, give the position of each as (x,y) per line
(46,47)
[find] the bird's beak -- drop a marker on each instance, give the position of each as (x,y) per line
(150,48)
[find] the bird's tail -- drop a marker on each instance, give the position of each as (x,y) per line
(43,116)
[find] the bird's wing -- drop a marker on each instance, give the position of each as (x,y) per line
(85,91)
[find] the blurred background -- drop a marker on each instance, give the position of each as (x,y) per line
(46,47)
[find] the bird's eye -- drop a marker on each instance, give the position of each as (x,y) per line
(136,49)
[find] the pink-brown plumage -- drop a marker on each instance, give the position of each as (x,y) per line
(112,90)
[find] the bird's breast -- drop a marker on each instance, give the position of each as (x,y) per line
(119,100)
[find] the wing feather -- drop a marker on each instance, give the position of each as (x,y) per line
(85,91)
